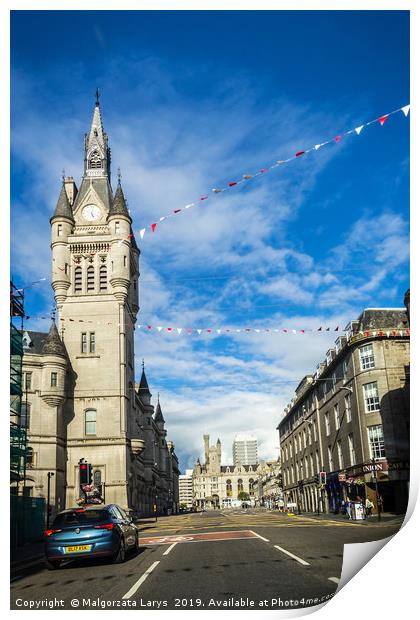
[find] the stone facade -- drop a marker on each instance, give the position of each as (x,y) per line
(351,419)
(81,394)
(216,485)
(268,488)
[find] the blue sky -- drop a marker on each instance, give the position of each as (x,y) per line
(191,100)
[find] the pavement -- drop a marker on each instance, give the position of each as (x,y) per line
(237,559)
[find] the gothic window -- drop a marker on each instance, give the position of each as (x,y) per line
(229,488)
(92,343)
(78,280)
(59,230)
(95,160)
(84,343)
(240,485)
(97,478)
(53,379)
(90,422)
(103,278)
(251,486)
(90,283)
(28,380)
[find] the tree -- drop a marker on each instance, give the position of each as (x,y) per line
(243,496)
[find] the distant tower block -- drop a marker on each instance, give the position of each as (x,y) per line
(245,449)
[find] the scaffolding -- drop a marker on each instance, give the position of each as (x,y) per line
(18,439)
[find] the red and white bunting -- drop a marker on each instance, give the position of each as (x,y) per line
(216,190)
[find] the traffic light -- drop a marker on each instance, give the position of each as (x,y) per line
(322,477)
(85,472)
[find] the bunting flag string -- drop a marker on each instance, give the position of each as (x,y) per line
(234,330)
(279,162)
(23,288)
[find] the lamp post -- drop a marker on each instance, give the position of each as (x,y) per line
(377,496)
(50,474)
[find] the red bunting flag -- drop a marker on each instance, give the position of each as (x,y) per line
(383,119)
(203,197)
(153,227)
(232,183)
(337,138)
(169,329)
(177,210)
(407,331)
(264,170)
(299,153)
(367,333)
(381,333)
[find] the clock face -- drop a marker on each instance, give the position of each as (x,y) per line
(91,213)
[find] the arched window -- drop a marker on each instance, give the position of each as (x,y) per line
(90,280)
(103,280)
(90,422)
(240,485)
(95,160)
(97,478)
(78,280)
(251,486)
(228,488)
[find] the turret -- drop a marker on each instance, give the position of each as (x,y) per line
(159,419)
(62,224)
(54,368)
(143,391)
(119,222)
(206,449)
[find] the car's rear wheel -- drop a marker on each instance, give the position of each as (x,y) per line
(119,557)
(52,564)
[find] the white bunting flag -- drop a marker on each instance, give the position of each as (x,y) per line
(199,331)
(188,206)
(406,110)
(159,328)
(179,330)
(219,331)
(162,218)
(143,230)
(293,331)
(387,333)
(359,129)
(317,146)
(258,331)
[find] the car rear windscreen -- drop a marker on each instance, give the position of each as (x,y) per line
(85,517)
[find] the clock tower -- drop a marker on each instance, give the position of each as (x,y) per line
(95,270)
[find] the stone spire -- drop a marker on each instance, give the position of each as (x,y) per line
(97,152)
(63,208)
(119,204)
(158,414)
(143,390)
(53,344)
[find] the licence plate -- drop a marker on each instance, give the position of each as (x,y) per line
(78,548)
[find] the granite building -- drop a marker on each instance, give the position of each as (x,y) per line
(350,419)
(81,400)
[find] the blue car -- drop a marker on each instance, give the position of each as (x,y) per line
(93,531)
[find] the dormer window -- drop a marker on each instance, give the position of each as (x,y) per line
(95,160)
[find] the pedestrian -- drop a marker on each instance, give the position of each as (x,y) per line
(348,507)
(368,506)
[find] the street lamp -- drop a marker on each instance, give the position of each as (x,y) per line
(50,474)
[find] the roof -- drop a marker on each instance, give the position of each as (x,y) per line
(35,343)
(232,468)
(382,318)
(53,345)
(63,208)
(158,414)
(119,205)
(100,185)
(143,386)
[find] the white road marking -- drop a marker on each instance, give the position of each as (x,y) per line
(138,583)
(295,557)
(334,579)
(262,537)
(169,549)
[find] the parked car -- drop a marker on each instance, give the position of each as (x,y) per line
(92,531)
